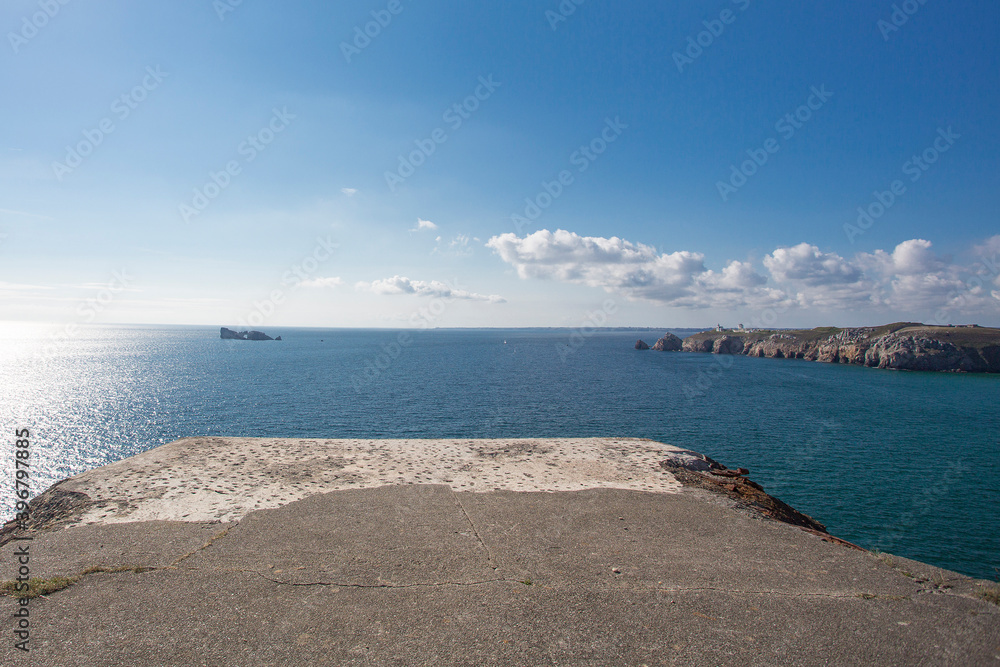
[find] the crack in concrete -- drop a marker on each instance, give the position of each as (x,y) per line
(347,585)
(672,591)
(489,555)
(833,596)
(217,536)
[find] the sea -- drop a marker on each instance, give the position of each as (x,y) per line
(903,462)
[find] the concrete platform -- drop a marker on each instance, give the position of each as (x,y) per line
(424,574)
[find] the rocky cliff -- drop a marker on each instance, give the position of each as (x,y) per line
(904,346)
(229,334)
(669,343)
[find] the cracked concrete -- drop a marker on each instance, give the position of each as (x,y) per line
(427,575)
(339,584)
(409,575)
(489,556)
(216,537)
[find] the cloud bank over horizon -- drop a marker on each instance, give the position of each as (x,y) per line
(910,277)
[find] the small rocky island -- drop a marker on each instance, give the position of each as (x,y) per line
(669,343)
(902,346)
(229,334)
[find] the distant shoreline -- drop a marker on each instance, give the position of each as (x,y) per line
(898,346)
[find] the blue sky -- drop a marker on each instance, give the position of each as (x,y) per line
(266,165)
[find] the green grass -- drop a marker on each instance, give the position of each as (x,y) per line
(977,338)
(990,594)
(883,556)
(37,586)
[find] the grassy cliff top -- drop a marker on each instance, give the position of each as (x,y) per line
(977,337)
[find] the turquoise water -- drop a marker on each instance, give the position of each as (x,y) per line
(905,462)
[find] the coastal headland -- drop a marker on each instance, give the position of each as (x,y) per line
(901,346)
(611,551)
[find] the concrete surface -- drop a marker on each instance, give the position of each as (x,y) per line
(423,574)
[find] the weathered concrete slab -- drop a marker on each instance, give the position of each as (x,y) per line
(663,542)
(154,544)
(387,536)
(169,618)
(431,574)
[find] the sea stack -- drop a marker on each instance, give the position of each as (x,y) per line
(669,343)
(229,334)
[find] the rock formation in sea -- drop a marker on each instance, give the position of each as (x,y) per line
(903,346)
(229,334)
(669,343)
(641,345)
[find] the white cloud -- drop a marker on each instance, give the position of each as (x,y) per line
(350,192)
(990,247)
(807,264)
(424,224)
(434,288)
(911,278)
(634,269)
(334,281)
(988,265)
(913,257)
(820,279)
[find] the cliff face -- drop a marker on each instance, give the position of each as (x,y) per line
(904,346)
